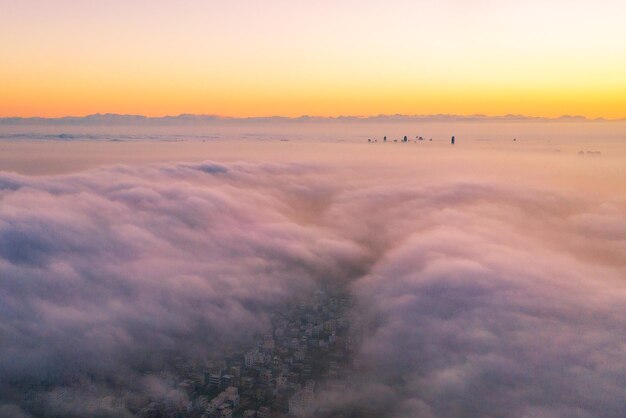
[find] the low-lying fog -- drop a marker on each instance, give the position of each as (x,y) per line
(489,277)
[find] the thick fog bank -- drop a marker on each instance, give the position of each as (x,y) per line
(488,301)
(475,296)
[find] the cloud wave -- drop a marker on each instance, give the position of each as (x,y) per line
(473,299)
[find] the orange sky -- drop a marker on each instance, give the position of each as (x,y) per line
(318,58)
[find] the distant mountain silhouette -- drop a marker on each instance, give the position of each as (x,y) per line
(191,119)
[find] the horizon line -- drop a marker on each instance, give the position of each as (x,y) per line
(129,117)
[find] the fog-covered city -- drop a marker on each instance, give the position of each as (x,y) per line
(217,277)
(312,209)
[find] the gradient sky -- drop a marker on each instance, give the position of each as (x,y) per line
(280,57)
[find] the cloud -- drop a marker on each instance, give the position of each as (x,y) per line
(472,298)
(102,269)
(489,304)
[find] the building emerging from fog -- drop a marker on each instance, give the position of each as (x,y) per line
(302,404)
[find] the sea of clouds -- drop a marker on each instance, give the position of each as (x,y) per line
(473,298)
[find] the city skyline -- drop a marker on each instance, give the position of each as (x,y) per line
(298,209)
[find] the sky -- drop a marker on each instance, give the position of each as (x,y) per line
(325,58)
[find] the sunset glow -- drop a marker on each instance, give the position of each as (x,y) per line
(294,57)
(312,209)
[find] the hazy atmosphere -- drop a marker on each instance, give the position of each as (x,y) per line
(487,277)
(292,209)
